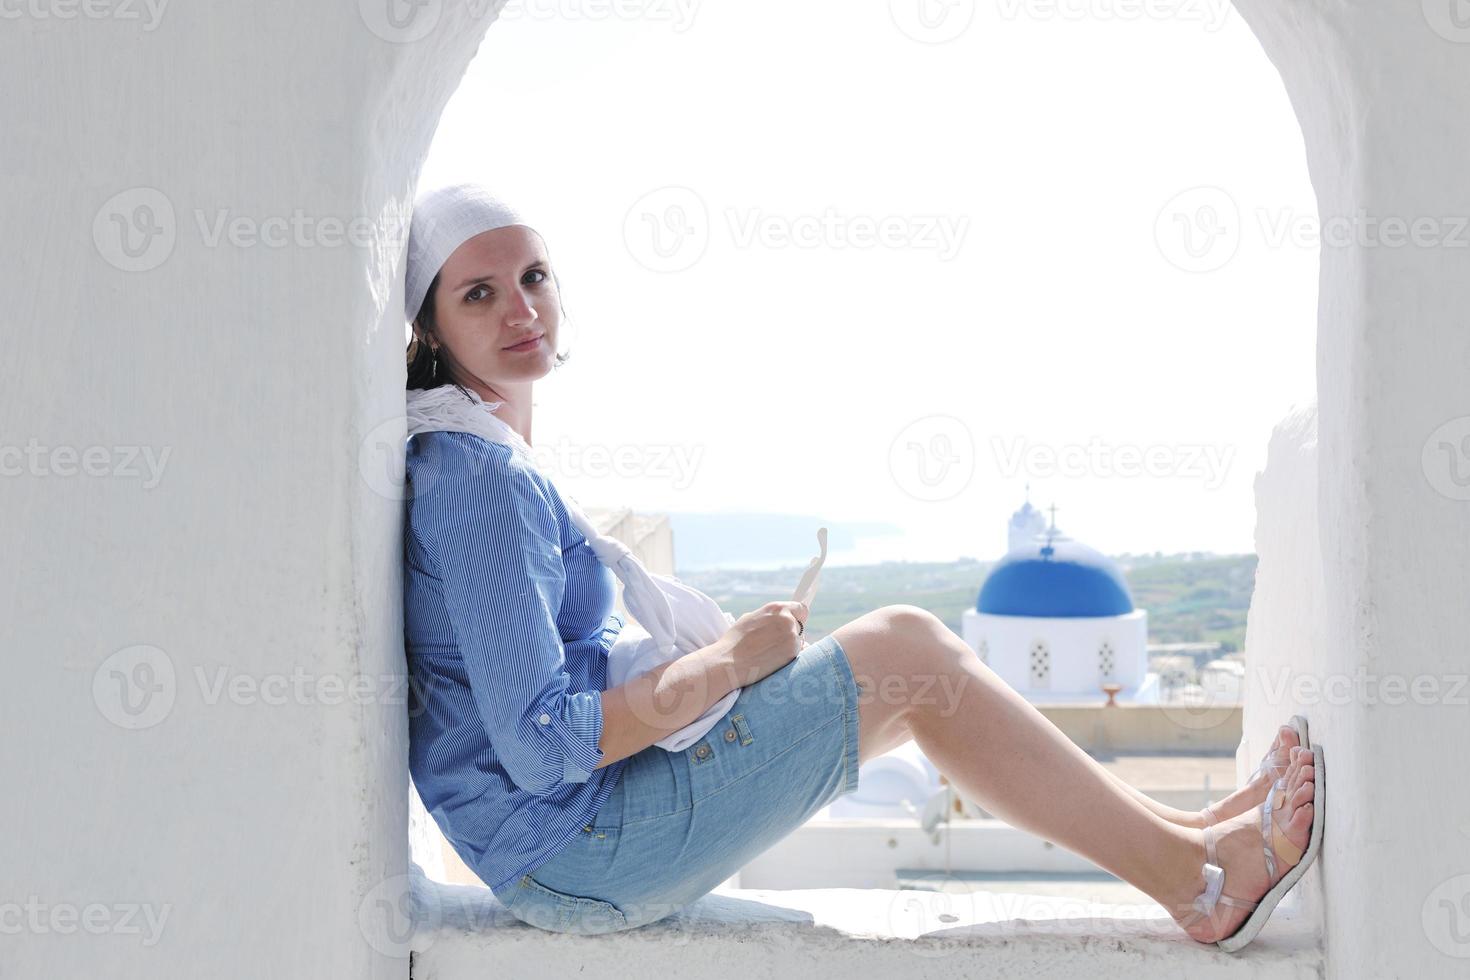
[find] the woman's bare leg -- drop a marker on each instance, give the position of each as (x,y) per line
(914,673)
(885,726)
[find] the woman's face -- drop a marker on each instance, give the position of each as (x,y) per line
(496,307)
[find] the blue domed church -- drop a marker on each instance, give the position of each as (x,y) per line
(1055,619)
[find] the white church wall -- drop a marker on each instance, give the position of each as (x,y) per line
(1062,657)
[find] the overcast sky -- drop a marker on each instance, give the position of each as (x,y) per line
(887,261)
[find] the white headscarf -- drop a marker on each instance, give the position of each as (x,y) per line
(443,220)
(672,618)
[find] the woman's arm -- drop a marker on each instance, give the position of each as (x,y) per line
(495,544)
(663,700)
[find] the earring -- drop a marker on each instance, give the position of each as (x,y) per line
(434,366)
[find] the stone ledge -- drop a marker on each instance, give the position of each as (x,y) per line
(836,932)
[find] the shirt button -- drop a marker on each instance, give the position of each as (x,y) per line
(730,735)
(545,719)
(702,751)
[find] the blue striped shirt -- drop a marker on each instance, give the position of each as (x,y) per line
(508,617)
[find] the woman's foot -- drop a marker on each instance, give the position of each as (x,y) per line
(1253,793)
(1241,852)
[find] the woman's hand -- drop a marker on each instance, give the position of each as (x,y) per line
(766,639)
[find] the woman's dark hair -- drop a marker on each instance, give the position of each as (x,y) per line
(421,359)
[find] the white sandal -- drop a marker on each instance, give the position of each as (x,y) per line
(1297,722)
(1276,846)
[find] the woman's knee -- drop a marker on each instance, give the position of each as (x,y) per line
(901,640)
(918,629)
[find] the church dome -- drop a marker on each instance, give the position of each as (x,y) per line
(1055,578)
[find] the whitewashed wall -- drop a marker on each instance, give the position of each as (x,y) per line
(1364,540)
(264,826)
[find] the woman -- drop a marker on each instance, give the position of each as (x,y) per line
(551,787)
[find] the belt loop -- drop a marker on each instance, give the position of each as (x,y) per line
(743,727)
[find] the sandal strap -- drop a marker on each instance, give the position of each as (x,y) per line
(1214,893)
(1268,825)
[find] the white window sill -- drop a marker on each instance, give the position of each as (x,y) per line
(846,932)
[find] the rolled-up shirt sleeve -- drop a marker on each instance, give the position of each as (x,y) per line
(496,539)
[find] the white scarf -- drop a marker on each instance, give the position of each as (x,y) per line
(672,618)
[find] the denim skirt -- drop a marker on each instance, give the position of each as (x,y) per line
(679,823)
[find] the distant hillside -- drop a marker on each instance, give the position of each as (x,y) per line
(760,540)
(1189,597)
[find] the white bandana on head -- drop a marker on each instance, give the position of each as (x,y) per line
(443,220)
